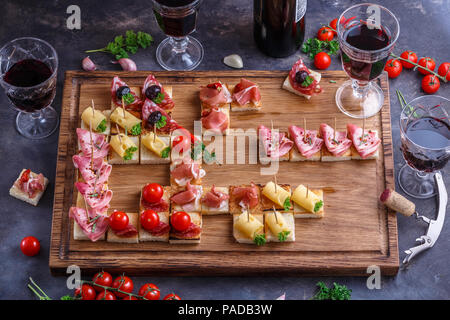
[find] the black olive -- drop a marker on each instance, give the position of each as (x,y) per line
(152,92)
(301,76)
(154,117)
(122,91)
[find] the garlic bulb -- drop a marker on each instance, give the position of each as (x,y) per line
(88,65)
(234,61)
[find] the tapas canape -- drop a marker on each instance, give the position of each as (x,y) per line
(124,149)
(245,96)
(29,187)
(123,227)
(154,149)
(274,145)
(308,203)
(215,200)
(155,197)
(123,95)
(337,145)
(155,92)
(186,227)
(245,197)
(308,144)
(279,226)
(249,228)
(276,196)
(184,172)
(187,199)
(365,146)
(154,226)
(302,81)
(98,120)
(126,120)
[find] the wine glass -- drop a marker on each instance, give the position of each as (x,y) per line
(178,19)
(28,69)
(367,35)
(425,134)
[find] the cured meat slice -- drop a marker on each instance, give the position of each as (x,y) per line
(338,143)
(160,206)
(161,229)
(184,172)
(215,95)
(312,89)
(100,146)
(215,198)
(167,102)
(96,198)
(136,105)
(95,176)
(308,143)
(275,144)
(29,184)
(93,224)
(247,196)
(148,108)
(366,145)
(214,120)
(246,91)
(187,199)
(129,231)
(191,232)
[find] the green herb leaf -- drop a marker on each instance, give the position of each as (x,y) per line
(161,122)
(313,46)
(67,297)
(159,98)
(287,204)
(129,153)
(136,130)
(260,239)
(308,81)
(165,153)
(317,206)
(128,98)
(101,126)
(282,236)
(338,292)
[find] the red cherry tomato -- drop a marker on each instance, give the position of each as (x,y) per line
(172,296)
(149,291)
(25,176)
(322,60)
(130,298)
(102,278)
(333,24)
(444,70)
(149,220)
(152,192)
(118,220)
(411,56)
(182,143)
(430,84)
(123,283)
(325,34)
(30,246)
(180,221)
(86,291)
(106,295)
(393,68)
(428,63)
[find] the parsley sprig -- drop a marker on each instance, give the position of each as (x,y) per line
(129,153)
(282,236)
(337,292)
(313,46)
(317,206)
(101,126)
(287,204)
(165,153)
(260,239)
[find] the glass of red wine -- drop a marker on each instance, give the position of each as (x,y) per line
(28,69)
(367,34)
(177,19)
(425,136)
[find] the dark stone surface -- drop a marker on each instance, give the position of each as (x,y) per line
(223,29)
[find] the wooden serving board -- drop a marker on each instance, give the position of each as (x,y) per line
(355,233)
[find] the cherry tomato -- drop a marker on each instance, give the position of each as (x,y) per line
(30,246)
(322,60)
(333,24)
(149,291)
(411,56)
(430,84)
(118,220)
(130,298)
(25,176)
(172,296)
(325,34)
(106,295)
(149,220)
(444,70)
(103,279)
(123,283)
(428,63)
(180,220)
(393,68)
(87,292)
(152,192)
(182,143)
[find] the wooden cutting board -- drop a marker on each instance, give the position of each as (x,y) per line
(355,233)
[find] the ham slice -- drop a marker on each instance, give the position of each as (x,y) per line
(246,91)
(191,232)
(96,198)
(336,144)
(161,229)
(246,196)
(215,198)
(101,147)
(215,95)
(312,89)
(308,143)
(29,184)
(184,172)
(115,85)
(96,177)
(189,198)
(160,206)
(148,108)
(214,120)
(275,144)
(366,145)
(95,227)
(167,103)
(129,231)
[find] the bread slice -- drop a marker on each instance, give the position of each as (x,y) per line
(144,235)
(267,204)
(252,107)
(134,220)
(78,233)
(234,206)
(149,157)
(197,202)
(166,197)
(19,194)
(215,211)
(196,218)
(114,158)
(287,84)
(375,156)
(289,218)
(300,212)
(107,132)
(296,156)
(327,156)
(241,238)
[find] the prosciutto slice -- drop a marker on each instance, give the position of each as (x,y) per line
(148,108)
(246,91)
(214,120)
(96,198)
(159,206)
(29,184)
(129,231)
(191,232)
(184,172)
(187,199)
(167,103)
(95,226)
(215,95)
(96,176)
(275,144)
(312,89)
(101,147)
(215,198)
(336,144)
(366,145)
(136,105)
(308,143)
(161,229)
(246,196)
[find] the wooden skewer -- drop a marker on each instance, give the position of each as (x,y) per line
(334,128)
(364,129)
(304,125)
(307,191)
(248,213)
(92,145)
(276,183)
(275,213)
(154,134)
(118,132)
(93,107)
(123,107)
(87,210)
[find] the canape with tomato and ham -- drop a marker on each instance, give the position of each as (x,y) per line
(302,81)
(365,146)
(336,144)
(245,197)
(246,96)
(154,226)
(161,95)
(123,227)
(185,227)
(155,197)
(274,145)
(307,144)
(29,187)
(215,200)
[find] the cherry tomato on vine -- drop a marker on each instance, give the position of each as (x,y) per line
(149,220)
(172,296)
(30,246)
(333,24)
(123,283)
(430,84)
(428,63)
(325,34)
(102,278)
(393,68)
(149,291)
(180,220)
(106,295)
(86,292)
(444,70)
(322,60)
(130,298)
(408,55)
(118,220)
(152,192)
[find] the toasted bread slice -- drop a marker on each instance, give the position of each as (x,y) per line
(166,197)
(196,218)
(375,156)
(134,220)
(239,236)
(114,158)
(195,206)
(327,156)
(145,235)
(234,206)
(224,209)
(249,107)
(300,212)
(267,204)
(287,84)
(149,157)
(107,132)
(296,156)
(290,221)
(15,192)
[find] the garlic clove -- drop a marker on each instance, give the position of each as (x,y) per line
(88,65)
(127,64)
(234,61)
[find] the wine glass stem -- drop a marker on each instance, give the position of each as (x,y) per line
(422,175)
(360,89)
(179,44)
(36,115)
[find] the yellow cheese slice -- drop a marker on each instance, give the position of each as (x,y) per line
(307,202)
(120,145)
(278,197)
(248,225)
(128,122)
(153,143)
(274,226)
(95,118)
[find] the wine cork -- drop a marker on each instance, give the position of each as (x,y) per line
(397,202)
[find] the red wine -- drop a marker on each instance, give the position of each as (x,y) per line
(176,22)
(427,133)
(361,37)
(279,26)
